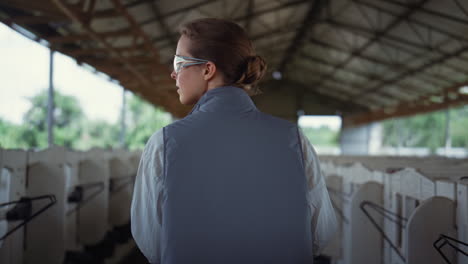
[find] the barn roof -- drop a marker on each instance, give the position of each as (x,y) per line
(366,60)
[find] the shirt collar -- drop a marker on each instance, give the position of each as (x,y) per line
(224,99)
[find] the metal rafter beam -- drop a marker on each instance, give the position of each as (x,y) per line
(111,13)
(365,75)
(461,38)
(274,32)
(136,29)
(77,19)
(416,70)
(136,3)
(178,11)
(361,74)
(89,11)
(137,60)
(255,14)
(126,31)
(31,6)
(339,84)
(371,41)
(342,105)
(80,52)
(365,32)
(163,25)
(78,37)
(365,57)
(334,90)
(315,7)
(265,11)
(250,12)
(35,20)
(421,105)
(431,12)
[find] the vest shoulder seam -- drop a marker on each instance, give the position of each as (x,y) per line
(300,146)
(165,156)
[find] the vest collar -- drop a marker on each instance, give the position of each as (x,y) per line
(228,99)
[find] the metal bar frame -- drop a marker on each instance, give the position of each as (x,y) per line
(52,202)
(315,7)
(354,29)
(371,41)
(76,18)
(446,240)
(84,187)
(387,214)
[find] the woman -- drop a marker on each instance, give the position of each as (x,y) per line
(227,183)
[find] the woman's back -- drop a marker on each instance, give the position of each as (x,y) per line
(235,188)
(227,183)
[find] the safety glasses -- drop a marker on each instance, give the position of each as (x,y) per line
(182,62)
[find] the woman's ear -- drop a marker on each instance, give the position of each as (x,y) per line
(209,72)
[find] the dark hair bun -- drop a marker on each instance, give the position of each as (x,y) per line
(227,45)
(253,71)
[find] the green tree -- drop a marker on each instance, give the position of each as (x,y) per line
(459,127)
(428,130)
(68,122)
(322,136)
(73,130)
(99,134)
(10,135)
(143,119)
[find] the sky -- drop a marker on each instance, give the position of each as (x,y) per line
(333,122)
(24,72)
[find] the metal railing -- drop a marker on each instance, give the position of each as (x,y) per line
(395,218)
(78,195)
(23,211)
(343,197)
(118,184)
(446,240)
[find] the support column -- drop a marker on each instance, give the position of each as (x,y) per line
(355,140)
(399,135)
(448,138)
(50,105)
(122,121)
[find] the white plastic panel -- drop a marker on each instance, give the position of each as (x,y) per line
(93,214)
(122,178)
(433,217)
(365,242)
(462,217)
(45,233)
(13,174)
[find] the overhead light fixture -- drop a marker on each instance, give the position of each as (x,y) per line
(277,75)
(463,90)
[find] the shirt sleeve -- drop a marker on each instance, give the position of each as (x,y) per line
(324,223)
(145,211)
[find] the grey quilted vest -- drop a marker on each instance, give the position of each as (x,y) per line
(235,187)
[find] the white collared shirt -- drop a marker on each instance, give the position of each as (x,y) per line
(146,212)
